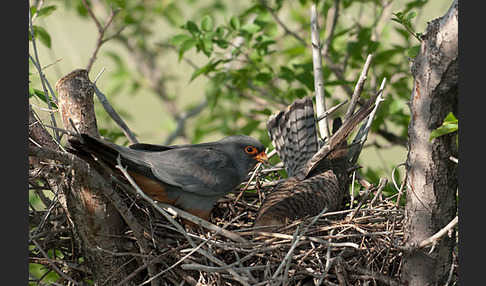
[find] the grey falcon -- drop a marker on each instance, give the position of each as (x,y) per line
(192,177)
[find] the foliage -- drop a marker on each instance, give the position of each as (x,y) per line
(450,125)
(248,55)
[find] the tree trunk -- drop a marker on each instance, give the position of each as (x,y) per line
(96,222)
(432,178)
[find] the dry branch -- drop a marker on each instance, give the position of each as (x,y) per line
(318,77)
(114,115)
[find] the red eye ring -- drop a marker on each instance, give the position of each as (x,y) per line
(250,150)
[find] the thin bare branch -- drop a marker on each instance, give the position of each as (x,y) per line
(318,77)
(282,24)
(331,110)
(332,18)
(362,134)
(181,121)
(51,263)
(183,214)
(114,115)
(101,32)
(439,234)
(358,88)
(43,78)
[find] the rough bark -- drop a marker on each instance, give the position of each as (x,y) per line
(96,222)
(432,179)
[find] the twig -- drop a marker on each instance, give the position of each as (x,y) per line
(358,88)
(43,79)
(184,257)
(54,267)
(373,275)
(42,126)
(351,203)
(329,261)
(253,175)
(439,234)
(181,121)
(451,271)
(183,214)
(400,190)
(378,192)
(330,27)
(295,239)
(381,185)
(277,19)
(331,110)
(207,225)
(186,216)
(111,111)
(318,77)
(362,134)
(310,238)
(101,32)
(98,75)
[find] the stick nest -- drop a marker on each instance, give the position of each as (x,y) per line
(353,246)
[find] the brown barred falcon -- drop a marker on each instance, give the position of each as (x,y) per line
(317,175)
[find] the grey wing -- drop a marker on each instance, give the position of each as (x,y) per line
(150,147)
(204,171)
(293,133)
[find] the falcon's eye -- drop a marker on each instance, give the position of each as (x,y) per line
(250,150)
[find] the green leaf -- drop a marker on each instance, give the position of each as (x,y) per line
(449,125)
(443,130)
(386,55)
(221,43)
(207,46)
(450,118)
(263,77)
(41,34)
(192,27)
(204,70)
(186,45)
(286,74)
(112,135)
(411,15)
(298,92)
(207,23)
(45,11)
(32,10)
(117,4)
(250,127)
(396,106)
(306,78)
(220,32)
(81,9)
(41,95)
(250,28)
(178,39)
(413,51)
(235,23)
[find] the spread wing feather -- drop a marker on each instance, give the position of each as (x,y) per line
(294,135)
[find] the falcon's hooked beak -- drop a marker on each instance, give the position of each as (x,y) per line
(261,157)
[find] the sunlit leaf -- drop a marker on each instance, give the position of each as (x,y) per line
(235,23)
(449,125)
(207,23)
(178,39)
(42,35)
